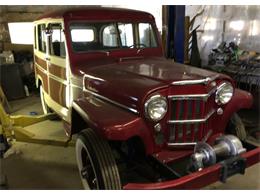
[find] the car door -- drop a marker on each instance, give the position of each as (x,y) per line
(40,55)
(56,62)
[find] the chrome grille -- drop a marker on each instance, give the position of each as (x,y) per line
(190,117)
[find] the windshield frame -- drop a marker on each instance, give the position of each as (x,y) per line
(136,36)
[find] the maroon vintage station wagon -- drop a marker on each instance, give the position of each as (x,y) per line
(143,122)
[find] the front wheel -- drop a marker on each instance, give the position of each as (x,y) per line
(96,163)
(237,127)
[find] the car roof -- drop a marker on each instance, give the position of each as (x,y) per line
(96,13)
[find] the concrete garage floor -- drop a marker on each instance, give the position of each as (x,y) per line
(34,166)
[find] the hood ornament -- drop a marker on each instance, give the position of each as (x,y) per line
(205,81)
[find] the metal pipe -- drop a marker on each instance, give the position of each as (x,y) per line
(225,146)
(221,149)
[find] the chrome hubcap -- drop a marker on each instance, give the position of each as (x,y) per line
(86,167)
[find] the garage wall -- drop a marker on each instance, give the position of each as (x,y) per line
(238,23)
(29,13)
(21,13)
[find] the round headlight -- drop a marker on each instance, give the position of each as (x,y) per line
(224,93)
(156,107)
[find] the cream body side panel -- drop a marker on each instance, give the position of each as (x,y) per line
(60,62)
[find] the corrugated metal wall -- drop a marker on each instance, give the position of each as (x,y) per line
(238,23)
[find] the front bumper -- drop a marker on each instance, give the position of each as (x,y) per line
(197,179)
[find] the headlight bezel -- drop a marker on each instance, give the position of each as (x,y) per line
(151,100)
(220,89)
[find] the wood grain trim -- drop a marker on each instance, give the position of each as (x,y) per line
(44,78)
(58,71)
(58,92)
(41,62)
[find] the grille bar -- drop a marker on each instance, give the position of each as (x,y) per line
(177,116)
(203,97)
(192,125)
(192,121)
(202,106)
(185,115)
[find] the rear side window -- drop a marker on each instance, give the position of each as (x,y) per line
(57,41)
(82,35)
(41,37)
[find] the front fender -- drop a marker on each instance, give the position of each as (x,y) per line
(112,122)
(240,100)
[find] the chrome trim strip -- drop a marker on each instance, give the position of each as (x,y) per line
(130,58)
(198,81)
(92,77)
(193,96)
(182,144)
(111,101)
(203,120)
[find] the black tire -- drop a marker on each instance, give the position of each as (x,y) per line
(96,163)
(237,127)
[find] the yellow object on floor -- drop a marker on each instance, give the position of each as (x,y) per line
(12,127)
(3,99)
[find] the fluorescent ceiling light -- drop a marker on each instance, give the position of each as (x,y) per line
(237,25)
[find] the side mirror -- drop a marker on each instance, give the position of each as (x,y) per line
(112,30)
(48,30)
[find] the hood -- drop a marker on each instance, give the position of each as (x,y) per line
(129,82)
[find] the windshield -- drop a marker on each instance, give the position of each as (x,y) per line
(108,36)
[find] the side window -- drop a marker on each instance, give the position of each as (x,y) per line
(41,37)
(109,36)
(57,45)
(84,38)
(126,34)
(35,34)
(146,35)
(82,35)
